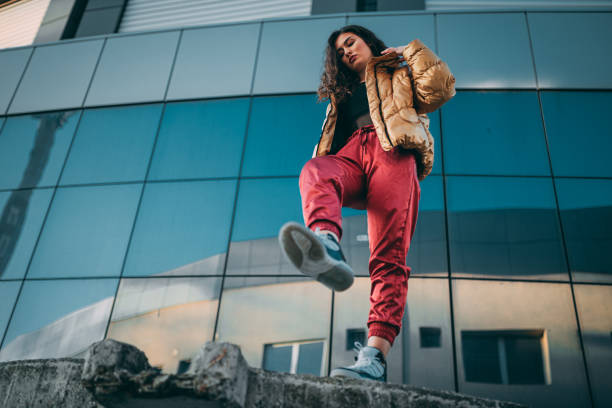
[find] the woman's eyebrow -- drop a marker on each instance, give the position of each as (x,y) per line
(345,41)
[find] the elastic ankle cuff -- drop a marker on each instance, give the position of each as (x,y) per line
(384,330)
(324,225)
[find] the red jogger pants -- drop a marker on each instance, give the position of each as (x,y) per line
(363,176)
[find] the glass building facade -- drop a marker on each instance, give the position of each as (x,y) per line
(144,178)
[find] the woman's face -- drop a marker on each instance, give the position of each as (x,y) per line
(354,52)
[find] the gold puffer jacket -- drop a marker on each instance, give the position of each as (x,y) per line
(399,97)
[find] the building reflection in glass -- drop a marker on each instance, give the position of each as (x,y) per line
(280,323)
(422,353)
(519,341)
(594,305)
(169,319)
(58,318)
(586,214)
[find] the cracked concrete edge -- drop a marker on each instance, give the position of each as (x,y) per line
(219,377)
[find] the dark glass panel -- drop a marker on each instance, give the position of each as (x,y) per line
(182,229)
(277,358)
(169,319)
(112,145)
(310,358)
(200,139)
(21,215)
(502,226)
(58,318)
(263,207)
(494,133)
(480,358)
(86,232)
(283,131)
(33,148)
(524,360)
(586,214)
(579,129)
(8,295)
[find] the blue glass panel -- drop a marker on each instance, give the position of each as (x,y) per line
(169,319)
(21,215)
(282,134)
(579,132)
(263,207)
(86,232)
(494,133)
(112,145)
(277,358)
(8,295)
(255,312)
(399,30)
(310,358)
(200,139)
(134,68)
(486,50)
(504,227)
(587,35)
(33,148)
(434,129)
(51,83)
(586,214)
(206,64)
(56,319)
(13,63)
(291,54)
(182,229)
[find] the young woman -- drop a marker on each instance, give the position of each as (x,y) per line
(374,149)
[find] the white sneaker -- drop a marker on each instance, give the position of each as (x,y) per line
(316,254)
(370,365)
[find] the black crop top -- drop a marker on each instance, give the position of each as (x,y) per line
(353,113)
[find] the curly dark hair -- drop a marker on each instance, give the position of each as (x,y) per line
(337,79)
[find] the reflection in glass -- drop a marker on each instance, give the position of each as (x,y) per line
(570,114)
(586,214)
(594,305)
(283,131)
(295,358)
(33,148)
(263,207)
(408,362)
(8,295)
(200,139)
(504,227)
(59,318)
(112,145)
(496,143)
(182,229)
(169,319)
(86,232)
(21,216)
(256,312)
(525,331)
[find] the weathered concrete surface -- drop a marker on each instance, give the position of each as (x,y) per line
(43,384)
(118,375)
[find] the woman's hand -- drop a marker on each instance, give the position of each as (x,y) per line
(398,50)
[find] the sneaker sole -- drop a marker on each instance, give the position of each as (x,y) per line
(309,256)
(342,372)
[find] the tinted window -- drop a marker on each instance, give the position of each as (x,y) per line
(579,130)
(482,134)
(86,232)
(200,139)
(56,319)
(283,131)
(501,226)
(33,148)
(8,295)
(21,215)
(182,229)
(112,145)
(586,214)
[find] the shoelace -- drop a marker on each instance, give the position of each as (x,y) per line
(367,363)
(327,240)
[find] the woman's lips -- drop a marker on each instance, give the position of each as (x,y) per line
(352,58)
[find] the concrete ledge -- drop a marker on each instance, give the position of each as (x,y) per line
(115,374)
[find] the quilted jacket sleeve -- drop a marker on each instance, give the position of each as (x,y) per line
(434,84)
